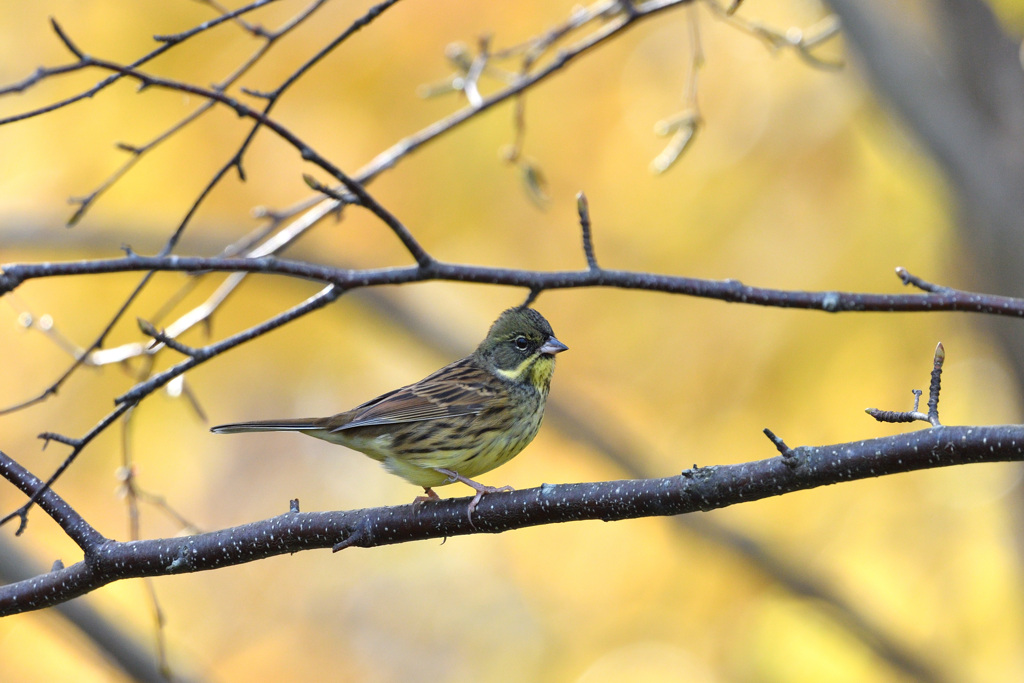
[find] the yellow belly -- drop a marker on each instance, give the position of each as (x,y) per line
(469,462)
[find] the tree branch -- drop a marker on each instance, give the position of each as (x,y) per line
(704,488)
(168,42)
(73,524)
(131,398)
(13,275)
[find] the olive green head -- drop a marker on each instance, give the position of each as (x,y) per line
(521,347)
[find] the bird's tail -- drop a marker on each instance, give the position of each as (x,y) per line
(298,425)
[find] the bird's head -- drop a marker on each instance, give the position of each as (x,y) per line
(521,347)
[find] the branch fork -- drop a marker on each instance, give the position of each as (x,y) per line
(932,416)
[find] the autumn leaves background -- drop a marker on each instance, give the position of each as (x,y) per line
(797,179)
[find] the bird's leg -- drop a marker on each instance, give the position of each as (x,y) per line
(480,489)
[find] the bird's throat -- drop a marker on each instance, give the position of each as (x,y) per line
(535,370)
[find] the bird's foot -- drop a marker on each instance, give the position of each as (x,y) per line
(480,489)
(430,495)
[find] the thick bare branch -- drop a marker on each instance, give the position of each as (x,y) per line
(697,489)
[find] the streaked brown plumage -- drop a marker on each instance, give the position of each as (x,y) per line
(458,423)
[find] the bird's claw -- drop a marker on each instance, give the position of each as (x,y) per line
(480,489)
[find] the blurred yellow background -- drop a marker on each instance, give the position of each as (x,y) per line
(798,179)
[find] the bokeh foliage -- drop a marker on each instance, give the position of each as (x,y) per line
(798,179)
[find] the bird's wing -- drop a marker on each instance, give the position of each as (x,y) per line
(462,388)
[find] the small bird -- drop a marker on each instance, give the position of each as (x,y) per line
(465,419)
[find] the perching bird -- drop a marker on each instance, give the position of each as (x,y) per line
(465,419)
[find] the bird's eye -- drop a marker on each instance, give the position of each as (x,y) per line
(521,343)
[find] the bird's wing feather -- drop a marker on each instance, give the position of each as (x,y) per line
(462,388)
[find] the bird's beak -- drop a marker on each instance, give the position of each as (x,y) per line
(552,346)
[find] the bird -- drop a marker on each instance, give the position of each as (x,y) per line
(463,420)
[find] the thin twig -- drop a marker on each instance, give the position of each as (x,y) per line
(306,152)
(137,152)
(932,416)
(583,209)
(129,399)
(935,385)
(43,73)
